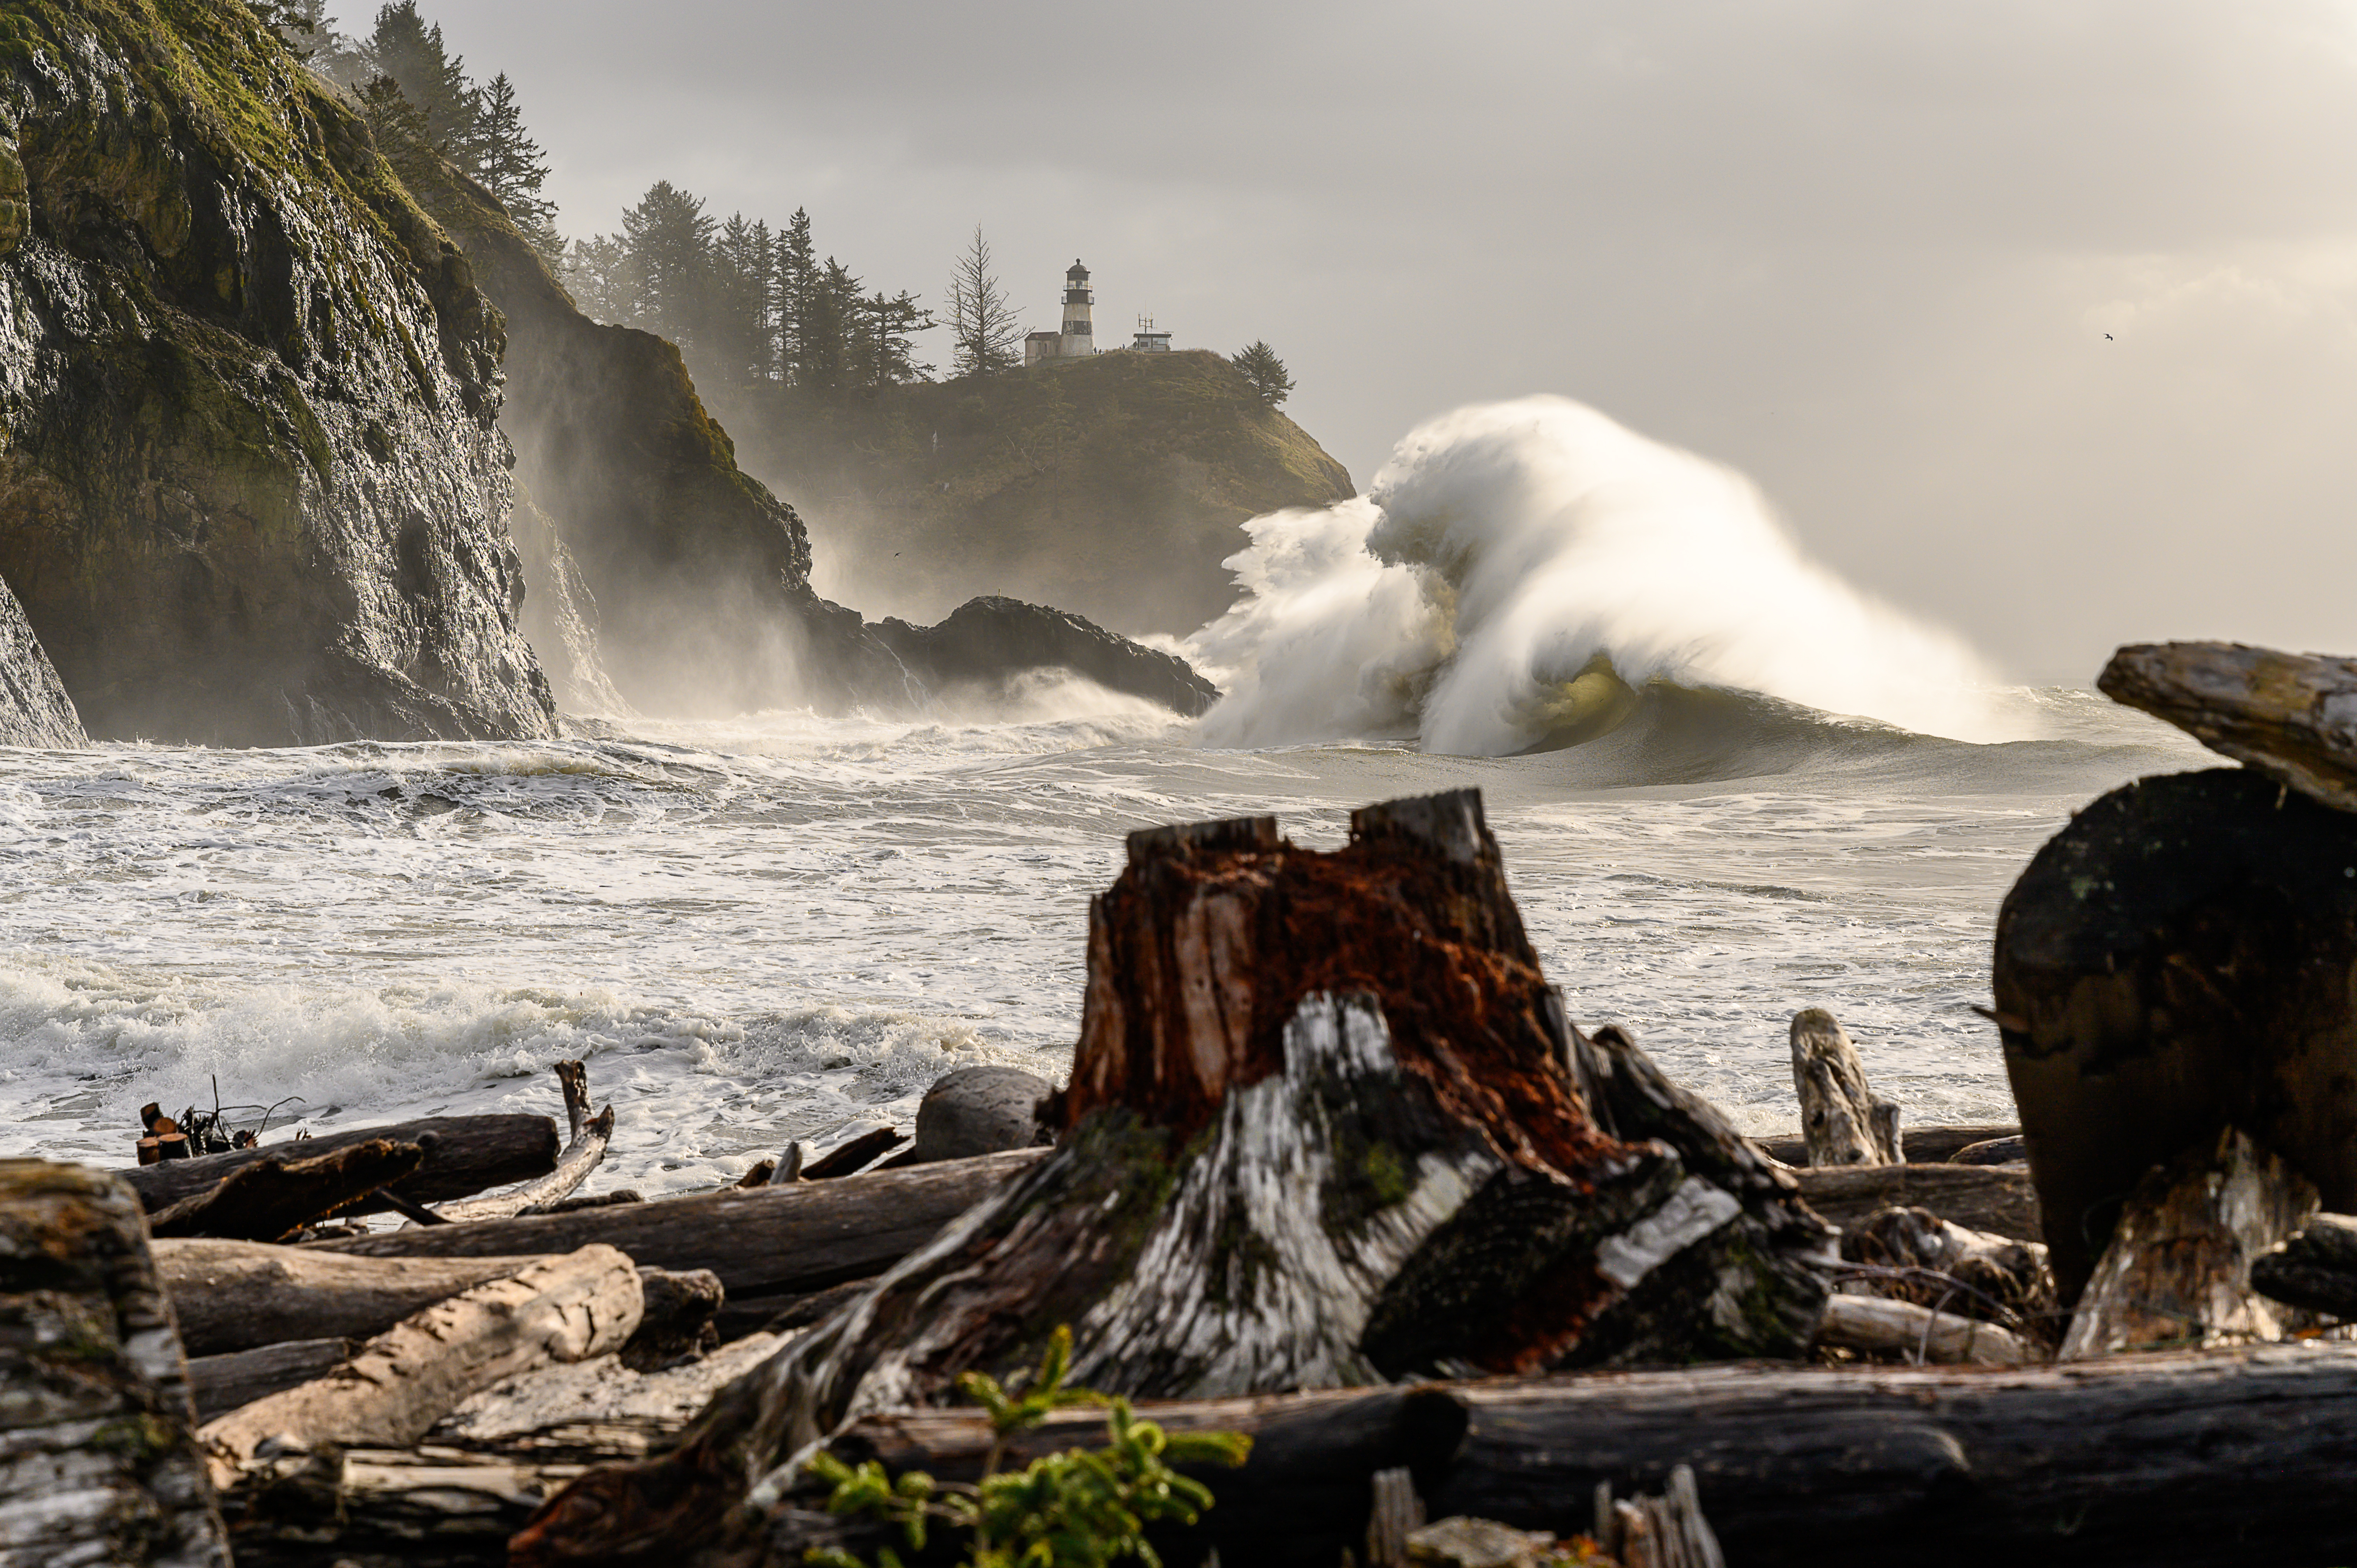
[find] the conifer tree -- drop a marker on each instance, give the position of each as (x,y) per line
(596,274)
(738,305)
(887,354)
(667,240)
(1264,371)
(513,167)
(986,330)
(403,48)
(794,279)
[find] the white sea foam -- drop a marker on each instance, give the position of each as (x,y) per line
(1504,546)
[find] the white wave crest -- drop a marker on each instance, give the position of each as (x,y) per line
(1506,547)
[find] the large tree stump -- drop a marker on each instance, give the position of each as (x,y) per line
(2178,960)
(97,1460)
(1326,1127)
(2177,1269)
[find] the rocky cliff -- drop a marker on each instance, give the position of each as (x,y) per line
(1112,487)
(33,707)
(252,490)
(699,575)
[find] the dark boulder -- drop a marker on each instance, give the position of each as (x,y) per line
(978,1111)
(987,640)
(254,490)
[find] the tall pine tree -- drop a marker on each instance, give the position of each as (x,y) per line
(513,167)
(668,241)
(986,330)
(412,54)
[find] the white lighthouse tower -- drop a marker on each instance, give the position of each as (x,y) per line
(1078,298)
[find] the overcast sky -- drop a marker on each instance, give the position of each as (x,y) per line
(1866,251)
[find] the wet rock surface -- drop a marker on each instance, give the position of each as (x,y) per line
(978,1111)
(987,641)
(254,490)
(33,707)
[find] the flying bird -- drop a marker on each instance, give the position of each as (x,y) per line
(2109,339)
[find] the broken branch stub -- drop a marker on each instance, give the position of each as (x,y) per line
(1324,1130)
(1843,1121)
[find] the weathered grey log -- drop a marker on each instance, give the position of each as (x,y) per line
(464,1154)
(2176,960)
(582,1154)
(98,1463)
(594,1411)
(235,1295)
(404,1379)
(1843,1121)
(2177,1270)
(1879,1326)
(759,1241)
(1262,1183)
(2292,716)
(788,1169)
(222,1383)
(281,1192)
(1397,1514)
(1997,1198)
(1913,1255)
(1921,1145)
(2315,1270)
(1462,1543)
(2212,1460)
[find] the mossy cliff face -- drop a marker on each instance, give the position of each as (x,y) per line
(700,576)
(253,490)
(1112,487)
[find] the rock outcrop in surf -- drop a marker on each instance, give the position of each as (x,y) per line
(253,490)
(33,707)
(989,641)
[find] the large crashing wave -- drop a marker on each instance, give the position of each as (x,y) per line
(1508,550)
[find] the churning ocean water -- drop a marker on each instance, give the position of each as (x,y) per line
(784,927)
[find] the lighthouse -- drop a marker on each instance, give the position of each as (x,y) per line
(1078,298)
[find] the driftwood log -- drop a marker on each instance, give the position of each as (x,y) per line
(220,1384)
(2177,1270)
(98,1462)
(278,1194)
(1913,1255)
(2292,717)
(2178,960)
(584,1149)
(761,1241)
(404,1379)
(362,1507)
(1995,1198)
(1327,1125)
(235,1295)
(1843,1121)
(2315,1270)
(464,1154)
(1921,1145)
(1883,1326)
(2214,1460)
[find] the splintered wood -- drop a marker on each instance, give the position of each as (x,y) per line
(1843,1121)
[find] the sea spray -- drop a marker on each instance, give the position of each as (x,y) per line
(1507,547)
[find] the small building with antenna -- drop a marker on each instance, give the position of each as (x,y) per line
(1147,341)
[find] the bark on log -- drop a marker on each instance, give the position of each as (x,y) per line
(762,1242)
(2213,1460)
(2177,1268)
(235,1295)
(1921,1145)
(409,1376)
(2180,958)
(584,1149)
(220,1384)
(98,1461)
(848,1157)
(1326,1126)
(422,1507)
(2315,1270)
(2292,717)
(2010,1151)
(1843,1121)
(464,1154)
(277,1195)
(1997,1198)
